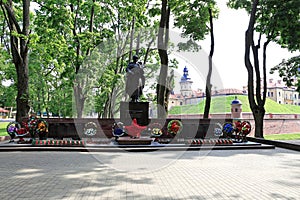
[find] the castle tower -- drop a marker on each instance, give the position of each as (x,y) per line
(186,84)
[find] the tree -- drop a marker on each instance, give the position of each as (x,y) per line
(196,20)
(278,20)
(68,31)
(163,39)
(8,87)
(19,48)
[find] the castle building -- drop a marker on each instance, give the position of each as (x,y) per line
(188,96)
(186,84)
(279,92)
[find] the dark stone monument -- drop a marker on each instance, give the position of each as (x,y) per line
(134,110)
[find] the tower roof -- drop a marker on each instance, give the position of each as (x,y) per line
(236,101)
(185,76)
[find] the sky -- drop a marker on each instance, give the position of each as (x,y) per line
(228,58)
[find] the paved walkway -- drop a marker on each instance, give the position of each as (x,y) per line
(227,174)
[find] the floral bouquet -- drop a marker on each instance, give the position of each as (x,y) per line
(175,127)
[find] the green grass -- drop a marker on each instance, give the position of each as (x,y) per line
(290,136)
(3,128)
(221,104)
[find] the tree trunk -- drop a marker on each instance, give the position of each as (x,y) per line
(168,89)
(163,38)
(208,78)
(257,109)
(131,38)
(208,91)
(79,100)
(259,114)
(23,93)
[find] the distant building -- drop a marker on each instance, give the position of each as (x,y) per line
(279,92)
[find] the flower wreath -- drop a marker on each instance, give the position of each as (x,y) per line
(118,129)
(31,125)
(228,129)
(155,129)
(238,126)
(42,126)
(218,130)
(246,128)
(12,129)
(175,127)
(90,129)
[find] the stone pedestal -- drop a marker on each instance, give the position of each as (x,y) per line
(137,110)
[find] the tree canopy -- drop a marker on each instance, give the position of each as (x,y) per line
(69,57)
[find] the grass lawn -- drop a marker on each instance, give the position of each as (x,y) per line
(221,104)
(3,128)
(289,136)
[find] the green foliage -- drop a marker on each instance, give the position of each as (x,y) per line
(3,126)
(67,32)
(190,46)
(193,17)
(277,19)
(63,35)
(237,4)
(8,95)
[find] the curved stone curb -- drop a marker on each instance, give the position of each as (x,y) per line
(28,147)
(280,144)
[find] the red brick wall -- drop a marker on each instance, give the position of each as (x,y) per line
(277,126)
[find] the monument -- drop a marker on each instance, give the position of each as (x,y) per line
(134,109)
(135,79)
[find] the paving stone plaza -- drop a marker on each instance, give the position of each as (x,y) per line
(217,174)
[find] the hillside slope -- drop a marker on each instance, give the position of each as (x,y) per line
(221,104)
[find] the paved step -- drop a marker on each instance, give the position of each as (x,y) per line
(135,148)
